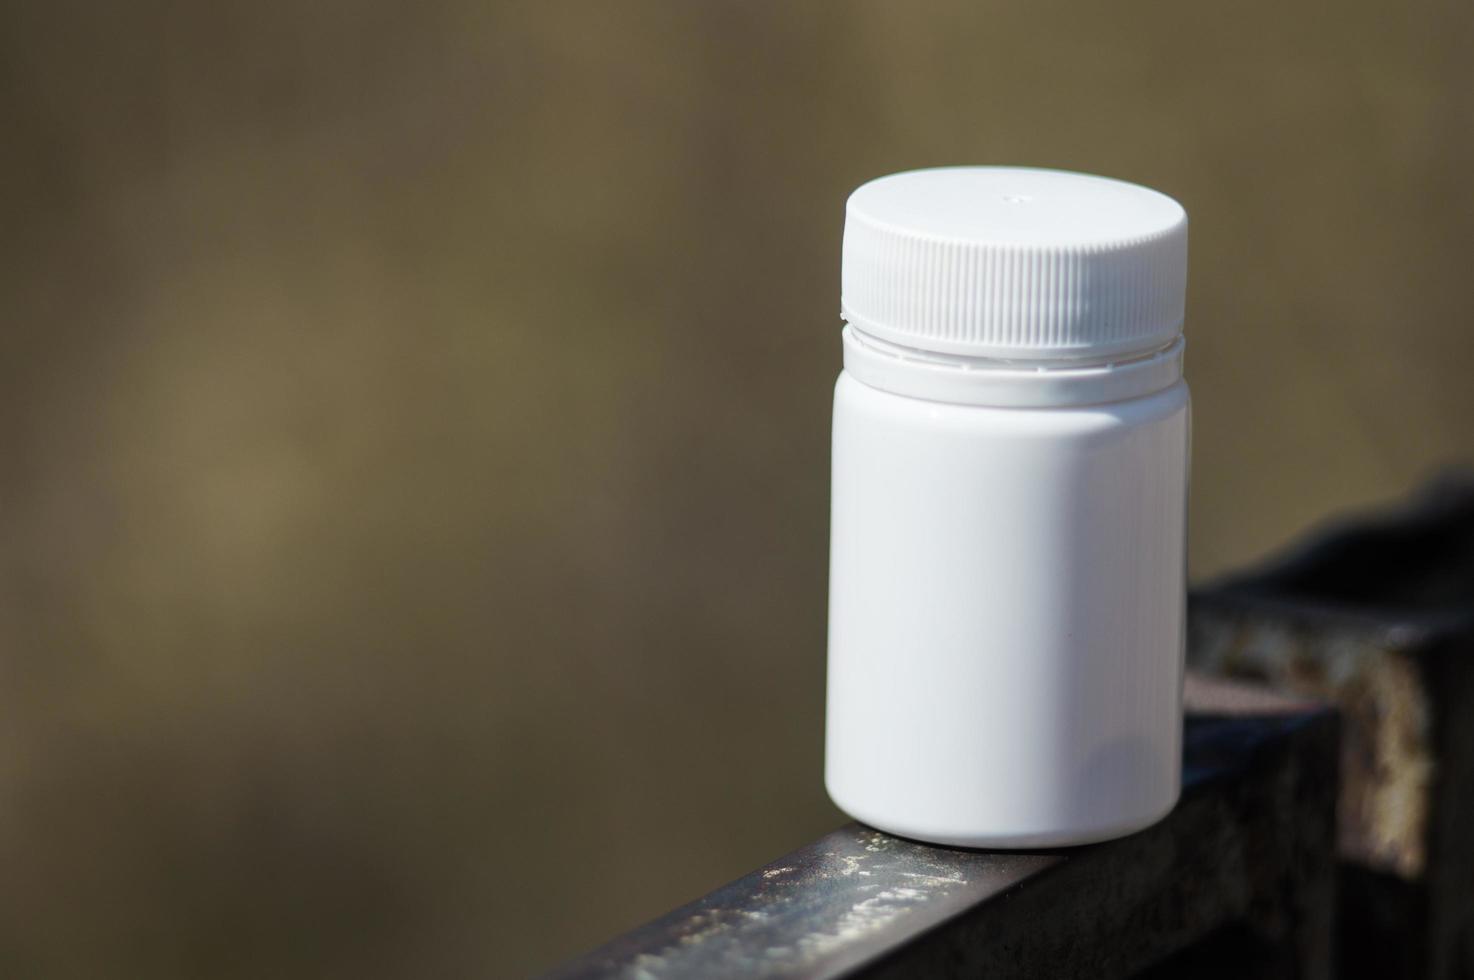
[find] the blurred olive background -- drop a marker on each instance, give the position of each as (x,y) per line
(415,420)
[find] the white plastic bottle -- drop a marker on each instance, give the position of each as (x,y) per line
(1007,577)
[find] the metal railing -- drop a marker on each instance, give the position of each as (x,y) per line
(1270,866)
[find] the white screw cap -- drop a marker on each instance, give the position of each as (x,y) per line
(1012,262)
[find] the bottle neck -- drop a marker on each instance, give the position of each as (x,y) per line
(963,380)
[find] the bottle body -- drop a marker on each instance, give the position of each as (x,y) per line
(1007,611)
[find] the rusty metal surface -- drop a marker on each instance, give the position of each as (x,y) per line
(1249,843)
(1388,764)
(1376,615)
(833,905)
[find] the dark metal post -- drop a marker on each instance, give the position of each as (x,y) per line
(1376,615)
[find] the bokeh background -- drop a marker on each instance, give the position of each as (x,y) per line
(415,420)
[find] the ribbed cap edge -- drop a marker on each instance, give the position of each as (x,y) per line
(985,294)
